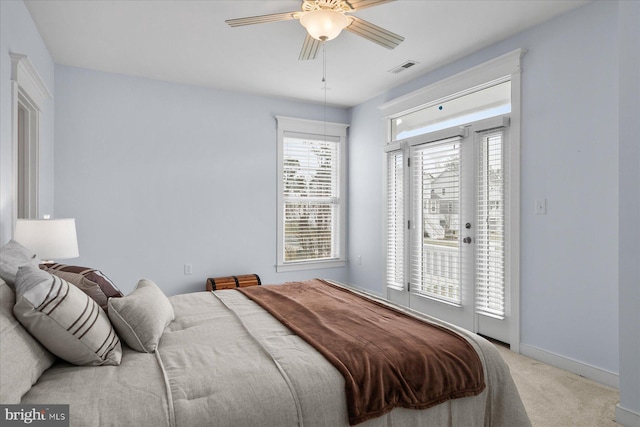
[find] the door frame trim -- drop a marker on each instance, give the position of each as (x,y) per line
(509,64)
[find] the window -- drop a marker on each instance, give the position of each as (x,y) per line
(311,204)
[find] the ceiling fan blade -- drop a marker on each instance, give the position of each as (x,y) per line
(361,4)
(309,49)
(250,20)
(374,33)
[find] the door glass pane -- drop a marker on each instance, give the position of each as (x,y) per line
(490,268)
(436,248)
(395,219)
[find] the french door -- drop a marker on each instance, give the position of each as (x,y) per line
(454,240)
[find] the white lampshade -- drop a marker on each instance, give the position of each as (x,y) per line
(48,238)
(324,24)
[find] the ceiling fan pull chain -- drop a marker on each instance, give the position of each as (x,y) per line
(324,66)
(324,81)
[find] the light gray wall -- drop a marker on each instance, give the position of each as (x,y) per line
(629,206)
(569,261)
(159,175)
(18,34)
(366,230)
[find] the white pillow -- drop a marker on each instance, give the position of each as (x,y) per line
(23,358)
(141,317)
(64,319)
(12,256)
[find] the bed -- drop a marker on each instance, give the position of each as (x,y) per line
(224,360)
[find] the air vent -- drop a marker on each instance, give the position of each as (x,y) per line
(403,67)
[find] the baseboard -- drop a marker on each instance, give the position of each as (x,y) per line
(363,290)
(579,368)
(627,417)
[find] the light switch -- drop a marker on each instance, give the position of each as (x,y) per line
(541,207)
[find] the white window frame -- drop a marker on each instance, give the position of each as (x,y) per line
(312,127)
(29,93)
(509,65)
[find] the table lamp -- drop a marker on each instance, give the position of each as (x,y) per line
(49,238)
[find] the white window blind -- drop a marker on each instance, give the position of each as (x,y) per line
(395,219)
(311,197)
(490,231)
(435,251)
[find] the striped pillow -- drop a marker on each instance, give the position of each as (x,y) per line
(64,319)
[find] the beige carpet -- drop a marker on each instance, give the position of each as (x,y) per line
(554,397)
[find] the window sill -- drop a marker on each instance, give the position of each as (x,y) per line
(311,265)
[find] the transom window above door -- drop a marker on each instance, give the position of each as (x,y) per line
(469,106)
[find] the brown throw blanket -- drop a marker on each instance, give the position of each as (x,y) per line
(388,358)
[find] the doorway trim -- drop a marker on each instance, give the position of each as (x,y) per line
(28,93)
(509,64)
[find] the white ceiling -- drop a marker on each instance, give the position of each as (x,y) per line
(188,42)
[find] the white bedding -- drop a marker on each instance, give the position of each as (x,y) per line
(225,361)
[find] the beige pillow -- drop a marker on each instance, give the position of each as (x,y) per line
(64,319)
(141,316)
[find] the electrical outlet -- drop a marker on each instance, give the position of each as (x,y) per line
(188,269)
(541,207)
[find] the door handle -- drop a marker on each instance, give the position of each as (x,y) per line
(467,240)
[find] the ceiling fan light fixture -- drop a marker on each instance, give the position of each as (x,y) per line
(324,24)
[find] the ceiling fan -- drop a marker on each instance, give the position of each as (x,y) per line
(325,19)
